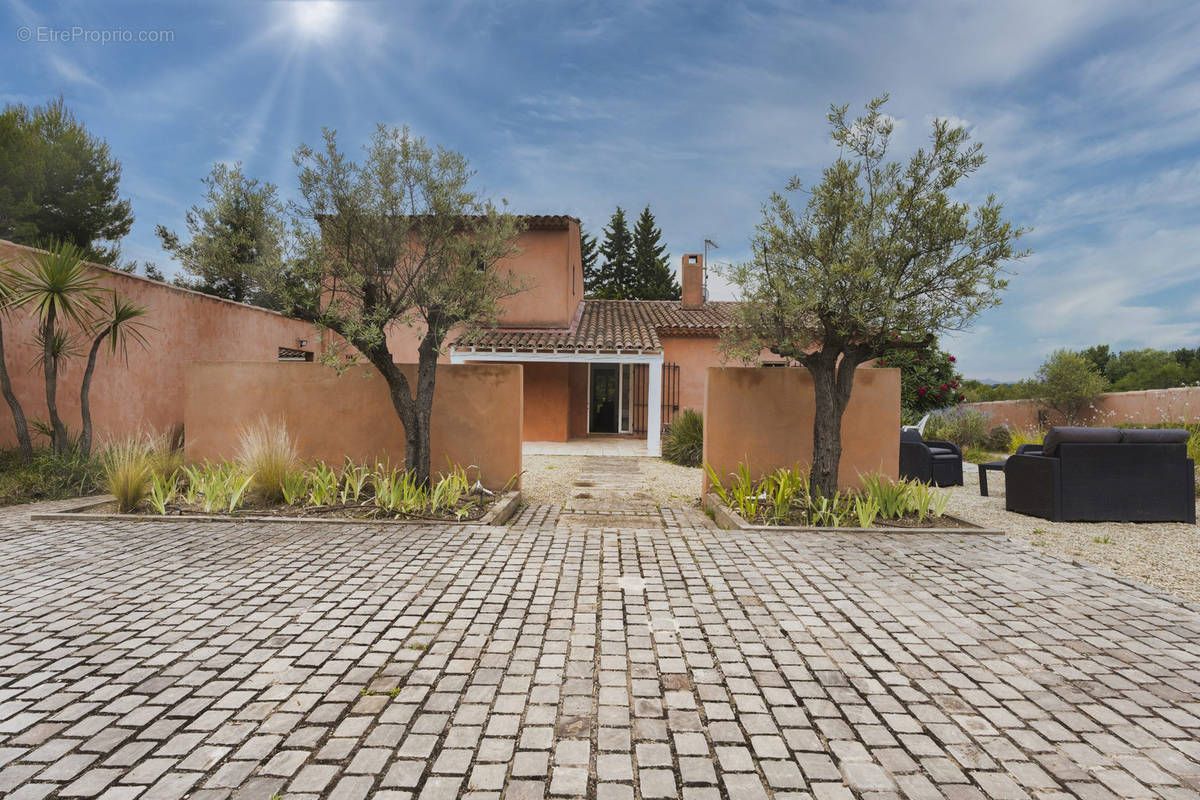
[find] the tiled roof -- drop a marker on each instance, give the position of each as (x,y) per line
(609,326)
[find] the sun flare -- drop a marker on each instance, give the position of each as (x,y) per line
(316,19)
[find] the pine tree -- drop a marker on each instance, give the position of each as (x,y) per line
(59,183)
(652,277)
(589,255)
(614,275)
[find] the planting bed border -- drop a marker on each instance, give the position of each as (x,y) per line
(498,514)
(728,519)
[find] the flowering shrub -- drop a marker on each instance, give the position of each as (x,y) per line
(929,378)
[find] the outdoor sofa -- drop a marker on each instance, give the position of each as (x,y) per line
(939,463)
(1104,474)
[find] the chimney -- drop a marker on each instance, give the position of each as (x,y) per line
(693,281)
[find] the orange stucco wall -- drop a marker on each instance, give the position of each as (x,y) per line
(550,264)
(1152,405)
(547,400)
(764,418)
(148,392)
(476,413)
(694,355)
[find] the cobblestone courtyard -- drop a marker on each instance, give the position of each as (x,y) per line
(255,661)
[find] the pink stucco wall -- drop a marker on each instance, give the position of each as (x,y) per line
(1153,405)
(764,418)
(476,413)
(148,392)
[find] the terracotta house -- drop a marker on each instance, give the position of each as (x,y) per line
(594,367)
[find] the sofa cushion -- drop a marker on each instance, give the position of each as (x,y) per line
(1070,435)
(941,451)
(945,457)
(1154,435)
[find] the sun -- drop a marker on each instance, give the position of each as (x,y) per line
(315,19)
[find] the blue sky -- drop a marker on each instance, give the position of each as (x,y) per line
(1089,112)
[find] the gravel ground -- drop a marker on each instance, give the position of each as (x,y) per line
(1163,555)
(548,480)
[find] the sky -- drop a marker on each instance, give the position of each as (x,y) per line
(1089,114)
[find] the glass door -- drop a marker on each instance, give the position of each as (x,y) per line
(604,399)
(626,397)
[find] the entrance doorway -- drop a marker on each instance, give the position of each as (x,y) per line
(609,404)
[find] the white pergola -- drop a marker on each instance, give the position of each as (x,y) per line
(653,389)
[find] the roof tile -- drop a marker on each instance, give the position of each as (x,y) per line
(611,325)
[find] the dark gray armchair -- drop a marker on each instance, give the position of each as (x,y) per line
(939,463)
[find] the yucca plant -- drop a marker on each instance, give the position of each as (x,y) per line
(295,487)
(784,488)
(715,482)
(449,490)
(268,454)
(354,480)
(401,493)
(163,489)
(128,472)
(894,497)
(927,501)
(190,491)
(830,512)
(866,509)
(322,484)
(222,486)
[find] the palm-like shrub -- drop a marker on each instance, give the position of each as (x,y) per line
(268,454)
(684,442)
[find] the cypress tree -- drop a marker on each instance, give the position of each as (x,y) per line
(613,280)
(589,255)
(652,276)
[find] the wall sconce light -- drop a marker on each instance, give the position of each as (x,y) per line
(303,342)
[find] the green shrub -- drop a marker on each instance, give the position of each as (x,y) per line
(684,440)
(1020,436)
(964,426)
(128,471)
(47,476)
(998,439)
(268,455)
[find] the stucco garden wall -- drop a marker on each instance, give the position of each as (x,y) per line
(477,413)
(1151,406)
(148,392)
(764,418)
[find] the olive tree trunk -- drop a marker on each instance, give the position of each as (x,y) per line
(14,405)
(833,381)
(414,410)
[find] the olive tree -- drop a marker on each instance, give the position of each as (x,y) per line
(880,258)
(399,239)
(1069,383)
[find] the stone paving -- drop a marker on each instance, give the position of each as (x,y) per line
(259,661)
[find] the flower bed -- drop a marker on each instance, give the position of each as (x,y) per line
(782,500)
(148,480)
